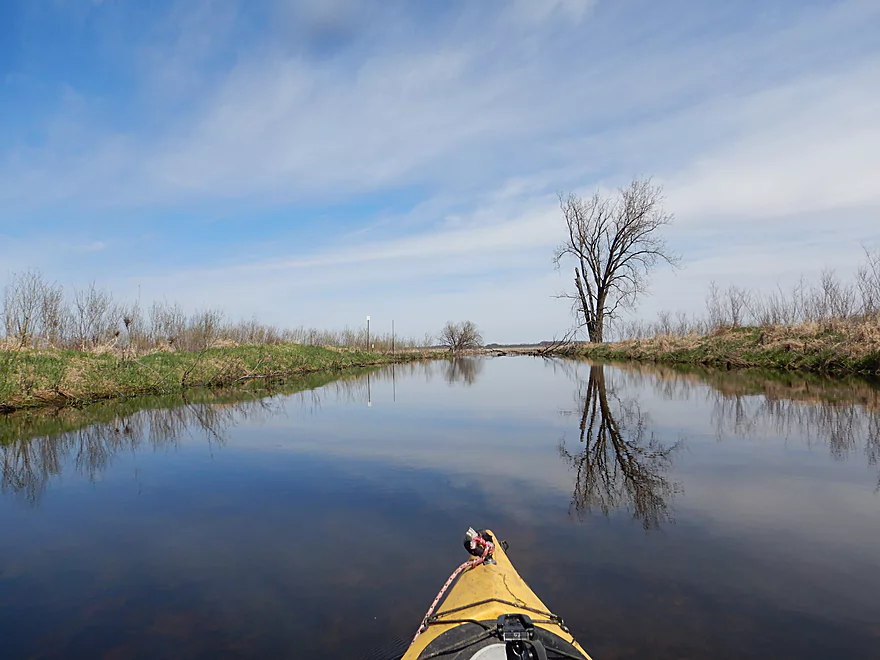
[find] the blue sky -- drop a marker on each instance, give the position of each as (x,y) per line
(314,162)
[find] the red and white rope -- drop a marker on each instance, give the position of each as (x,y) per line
(488,547)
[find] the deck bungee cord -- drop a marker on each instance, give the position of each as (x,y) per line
(489,614)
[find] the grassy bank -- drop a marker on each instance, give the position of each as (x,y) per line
(50,422)
(37,378)
(836,348)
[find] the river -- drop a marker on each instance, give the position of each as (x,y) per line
(662,513)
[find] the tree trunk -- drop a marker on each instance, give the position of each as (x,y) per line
(597,330)
(589,313)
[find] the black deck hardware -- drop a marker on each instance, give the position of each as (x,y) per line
(515,627)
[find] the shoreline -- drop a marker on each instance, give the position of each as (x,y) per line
(832,349)
(32,379)
(35,379)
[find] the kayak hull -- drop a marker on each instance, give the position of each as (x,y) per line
(472,607)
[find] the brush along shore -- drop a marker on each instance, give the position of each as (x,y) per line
(38,378)
(836,348)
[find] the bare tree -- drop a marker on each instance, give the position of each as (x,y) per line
(868,282)
(458,337)
(615,243)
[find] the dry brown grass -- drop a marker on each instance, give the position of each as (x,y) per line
(833,346)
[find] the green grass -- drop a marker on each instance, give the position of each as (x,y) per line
(52,421)
(33,379)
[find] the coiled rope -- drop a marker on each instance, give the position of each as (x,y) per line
(477,541)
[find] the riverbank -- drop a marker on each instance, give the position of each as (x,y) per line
(39,378)
(828,348)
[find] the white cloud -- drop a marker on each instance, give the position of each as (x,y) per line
(539,10)
(809,146)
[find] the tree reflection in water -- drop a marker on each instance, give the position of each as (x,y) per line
(840,414)
(846,428)
(29,464)
(621,464)
(462,370)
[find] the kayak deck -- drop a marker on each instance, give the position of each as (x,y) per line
(482,594)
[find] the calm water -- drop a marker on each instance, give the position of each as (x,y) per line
(664,515)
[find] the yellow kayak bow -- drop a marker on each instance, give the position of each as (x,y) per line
(491,613)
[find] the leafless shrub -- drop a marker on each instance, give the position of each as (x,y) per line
(714,306)
(682,324)
(736,303)
(831,299)
(167,323)
(94,316)
(55,317)
(868,283)
(777,309)
(136,336)
(664,322)
(253,332)
(203,329)
(460,336)
(22,303)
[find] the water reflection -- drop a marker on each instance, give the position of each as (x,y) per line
(29,464)
(455,371)
(35,449)
(774,554)
(847,429)
(462,370)
(843,414)
(621,464)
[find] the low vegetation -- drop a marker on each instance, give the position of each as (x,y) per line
(31,378)
(73,347)
(829,326)
(49,422)
(41,314)
(834,347)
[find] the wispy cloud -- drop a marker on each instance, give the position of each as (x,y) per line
(477,102)
(810,145)
(95,246)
